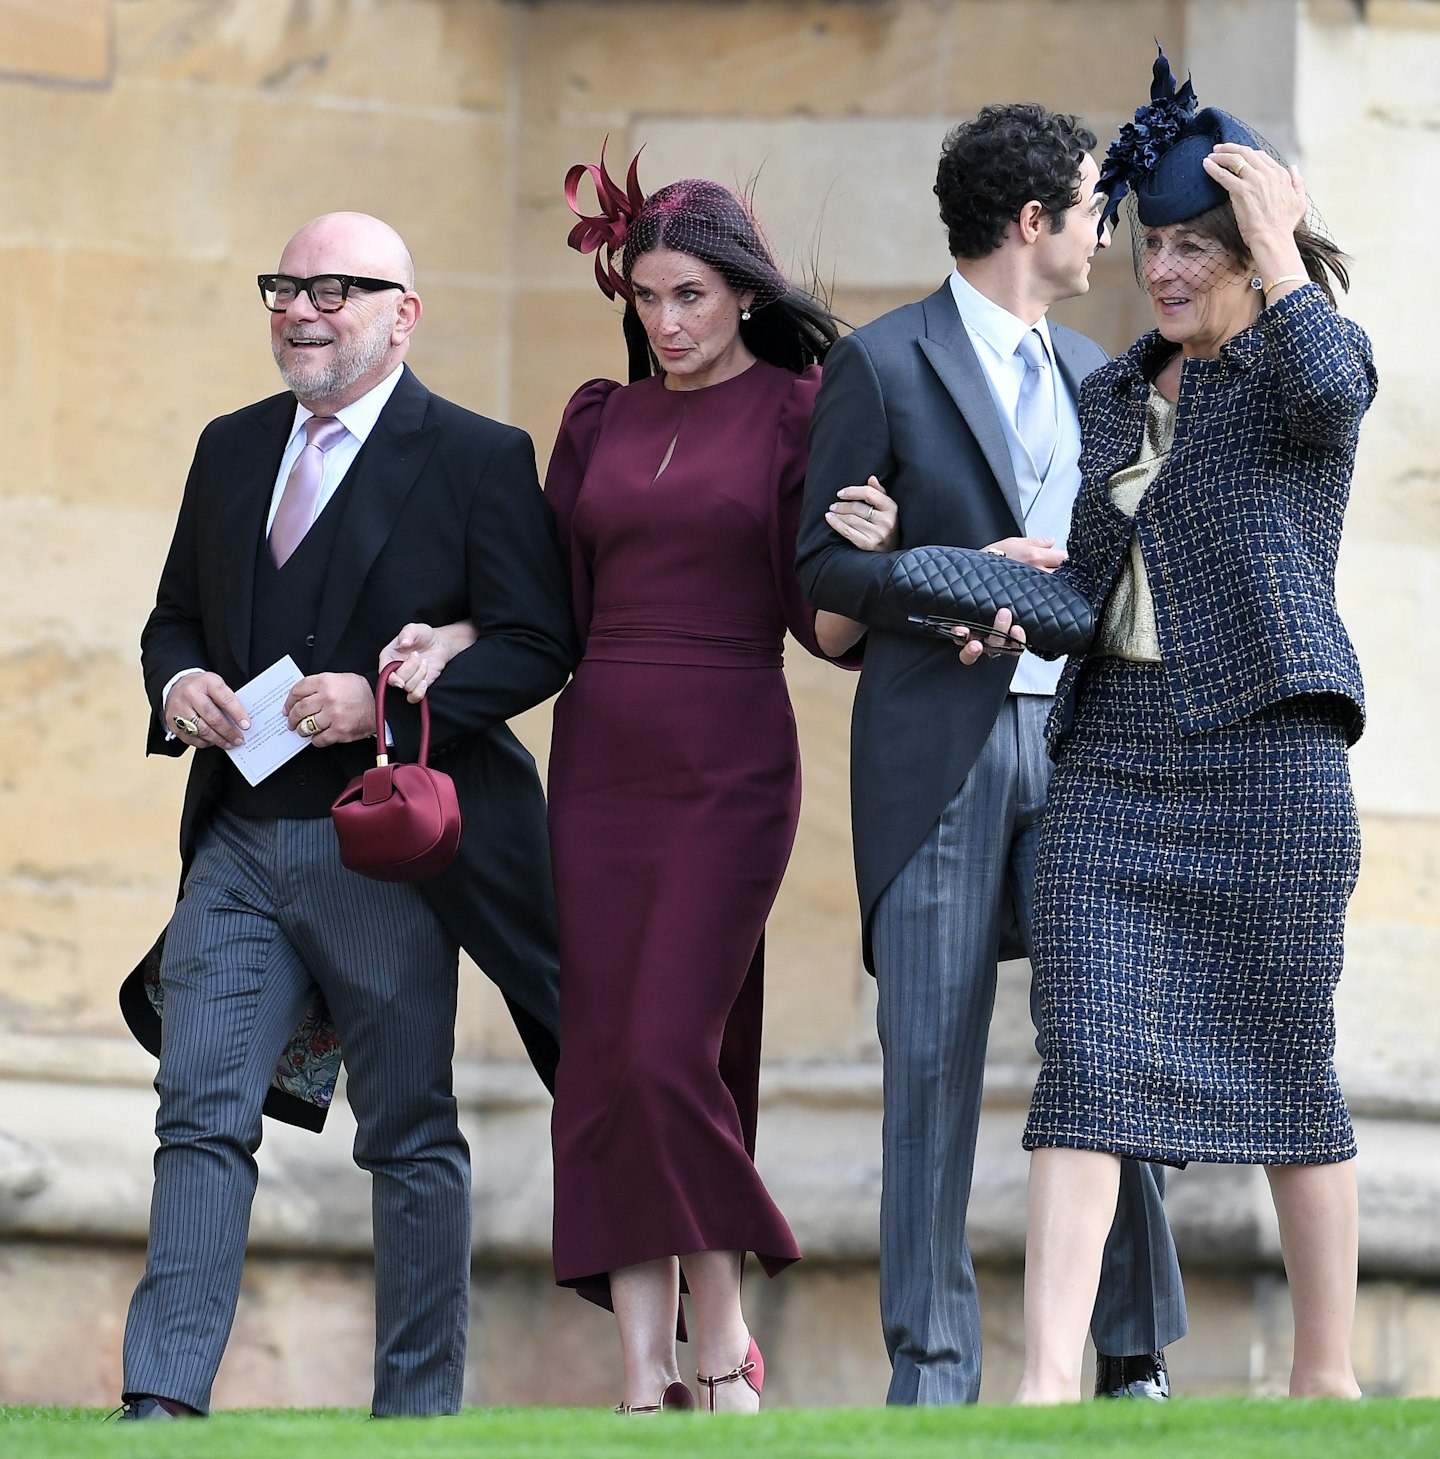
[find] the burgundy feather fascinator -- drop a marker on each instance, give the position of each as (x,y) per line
(619,206)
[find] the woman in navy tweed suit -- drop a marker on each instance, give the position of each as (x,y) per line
(1201,840)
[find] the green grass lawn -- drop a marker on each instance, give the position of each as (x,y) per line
(1184,1429)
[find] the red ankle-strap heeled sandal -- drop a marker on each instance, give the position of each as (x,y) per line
(752,1370)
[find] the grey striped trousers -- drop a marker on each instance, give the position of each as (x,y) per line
(935,935)
(268,915)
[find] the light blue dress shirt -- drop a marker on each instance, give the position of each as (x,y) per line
(1047,502)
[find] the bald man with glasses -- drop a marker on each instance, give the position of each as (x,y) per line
(316,524)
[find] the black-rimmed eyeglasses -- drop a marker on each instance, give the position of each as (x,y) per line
(328,292)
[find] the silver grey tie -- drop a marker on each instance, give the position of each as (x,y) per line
(1035,411)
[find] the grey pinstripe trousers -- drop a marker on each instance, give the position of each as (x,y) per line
(268,914)
(935,935)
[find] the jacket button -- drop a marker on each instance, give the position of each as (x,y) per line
(309,640)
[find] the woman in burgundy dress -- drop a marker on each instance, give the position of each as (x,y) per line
(674,780)
(674,768)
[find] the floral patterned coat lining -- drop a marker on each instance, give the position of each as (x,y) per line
(310,1064)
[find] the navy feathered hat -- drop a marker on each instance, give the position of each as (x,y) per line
(1158,156)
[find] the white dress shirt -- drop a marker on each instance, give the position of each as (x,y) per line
(359,419)
(1047,502)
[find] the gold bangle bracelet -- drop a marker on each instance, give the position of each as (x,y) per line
(1286,279)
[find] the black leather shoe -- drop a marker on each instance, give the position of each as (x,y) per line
(146,1407)
(1144,1376)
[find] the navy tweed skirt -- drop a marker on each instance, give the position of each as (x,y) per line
(1189,930)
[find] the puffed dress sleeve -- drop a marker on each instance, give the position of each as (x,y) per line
(792,455)
(574,445)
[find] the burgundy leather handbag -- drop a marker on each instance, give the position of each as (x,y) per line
(398,822)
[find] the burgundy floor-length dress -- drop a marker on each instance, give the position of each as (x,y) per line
(674,791)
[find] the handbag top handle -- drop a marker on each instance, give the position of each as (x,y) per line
(382,758)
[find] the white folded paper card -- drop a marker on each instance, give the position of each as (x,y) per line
(269,742)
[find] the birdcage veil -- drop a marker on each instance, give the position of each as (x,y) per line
(707,220)
(1153,174)
(784,324)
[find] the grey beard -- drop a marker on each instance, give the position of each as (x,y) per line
(343,367)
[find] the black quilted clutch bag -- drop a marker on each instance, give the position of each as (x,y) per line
(941,587)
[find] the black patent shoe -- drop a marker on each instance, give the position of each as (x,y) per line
(1144,1376)
(146,1407)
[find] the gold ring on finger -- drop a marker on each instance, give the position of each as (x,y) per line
(1240,166)
(187,726)
(308,727)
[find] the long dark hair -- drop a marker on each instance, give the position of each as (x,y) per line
(788,326)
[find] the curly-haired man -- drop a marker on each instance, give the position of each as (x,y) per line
(963,406)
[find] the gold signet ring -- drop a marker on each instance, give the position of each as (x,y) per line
(186,726)
(308,727)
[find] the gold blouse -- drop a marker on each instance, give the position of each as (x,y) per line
(1127,625)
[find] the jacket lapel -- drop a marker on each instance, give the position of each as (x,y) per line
(951,355)
(375,487)
(254,462)
(1119,427)
(1067,356)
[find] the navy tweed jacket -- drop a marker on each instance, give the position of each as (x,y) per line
(1241,528)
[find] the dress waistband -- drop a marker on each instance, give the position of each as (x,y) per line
(656,634)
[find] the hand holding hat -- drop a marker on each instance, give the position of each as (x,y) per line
(1269,202)
(1267,197)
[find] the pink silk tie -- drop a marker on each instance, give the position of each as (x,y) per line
(302,487)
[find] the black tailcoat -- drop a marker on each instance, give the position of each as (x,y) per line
(442,519)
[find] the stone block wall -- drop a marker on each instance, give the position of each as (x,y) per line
(157,153)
